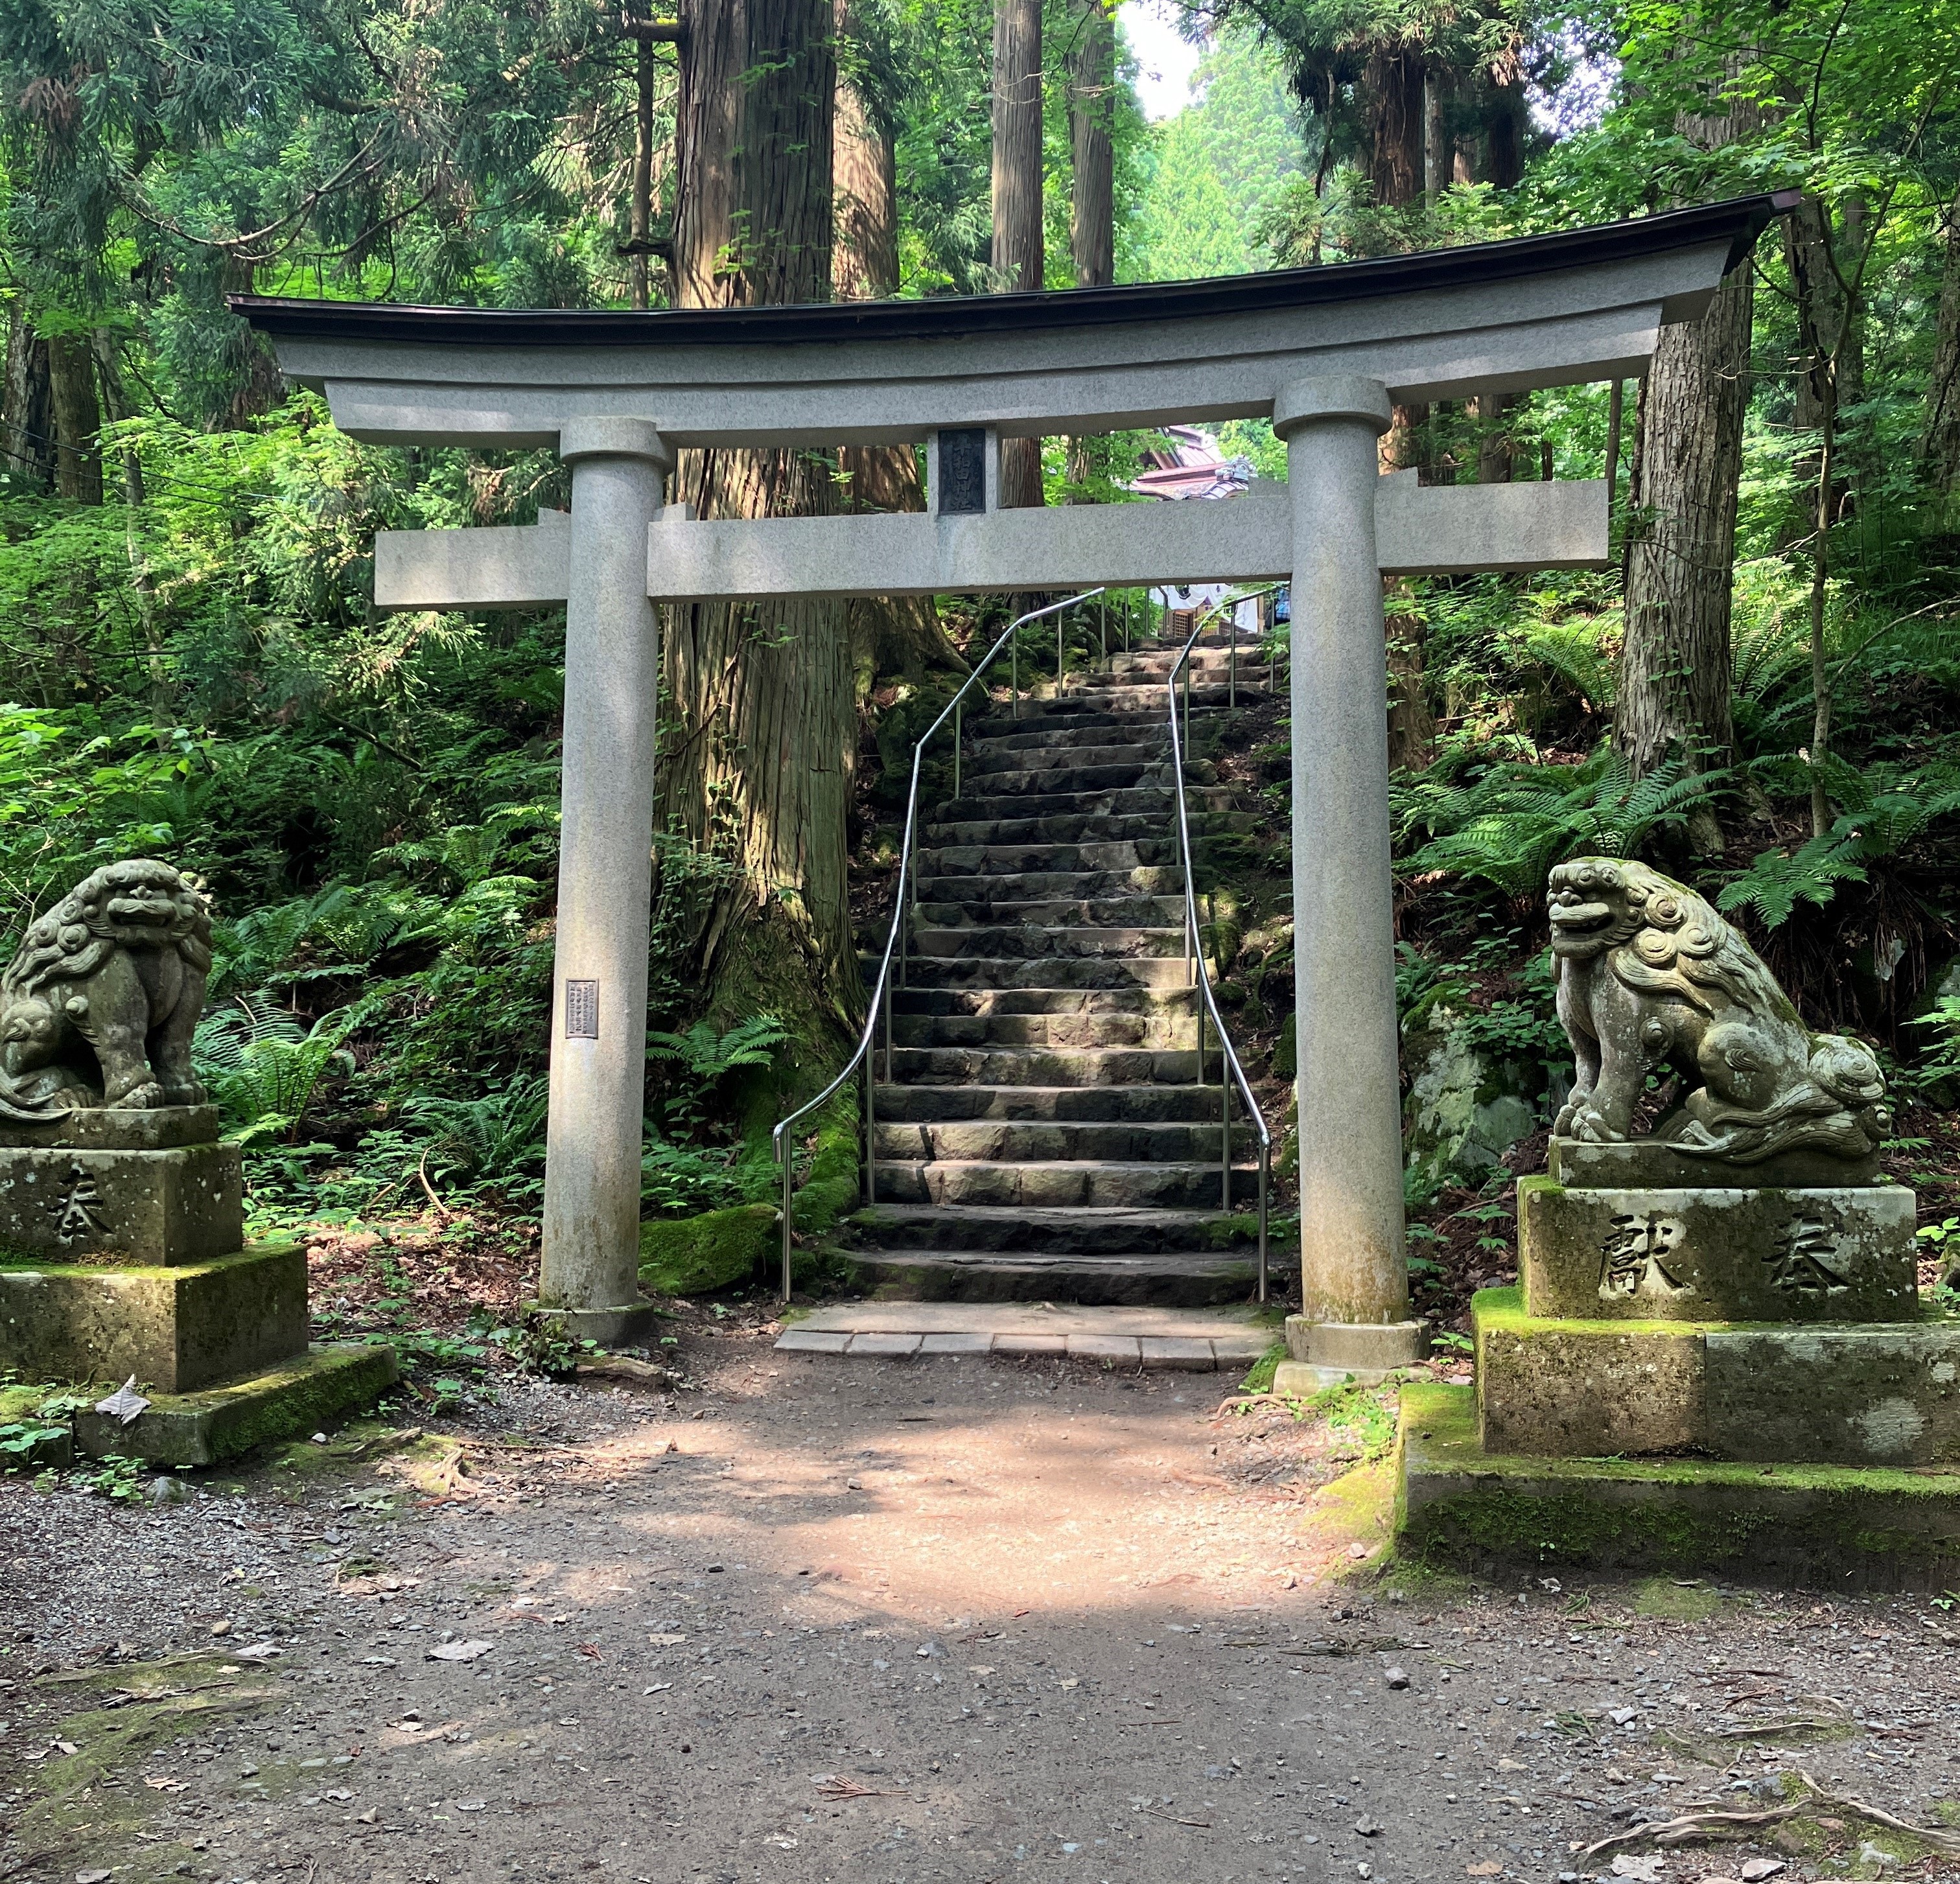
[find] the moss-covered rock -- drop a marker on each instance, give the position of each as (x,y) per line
(695,1255)
(1839,1526)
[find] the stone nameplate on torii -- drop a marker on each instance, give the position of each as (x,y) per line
(1321,352)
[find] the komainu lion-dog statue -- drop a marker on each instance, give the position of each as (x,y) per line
(1649,975)
(98,1007)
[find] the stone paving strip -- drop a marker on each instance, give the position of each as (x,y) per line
(1187,1340)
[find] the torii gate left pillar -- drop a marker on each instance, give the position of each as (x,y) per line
(590,1277)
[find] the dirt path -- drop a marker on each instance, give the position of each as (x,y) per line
(963,1618)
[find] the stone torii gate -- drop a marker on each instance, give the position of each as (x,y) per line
(1320,352)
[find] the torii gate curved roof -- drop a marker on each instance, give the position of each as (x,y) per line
(1500,316)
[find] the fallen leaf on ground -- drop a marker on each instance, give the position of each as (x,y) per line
(1489,1868)
(1645,1870)
(124,1404)
(165,1785)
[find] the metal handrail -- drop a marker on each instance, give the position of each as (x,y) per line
(1194,957)
(881,993)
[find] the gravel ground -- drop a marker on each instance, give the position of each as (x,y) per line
(963,1618)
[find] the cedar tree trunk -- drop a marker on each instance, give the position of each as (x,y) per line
(78,416)
(890,634)
(1939,440)
(759,757)
(1019,259)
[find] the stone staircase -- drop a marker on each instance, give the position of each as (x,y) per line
(1043,1133)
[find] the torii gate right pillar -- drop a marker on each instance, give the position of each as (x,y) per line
(1353,1265)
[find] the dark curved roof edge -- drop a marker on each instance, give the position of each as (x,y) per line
(1741,221)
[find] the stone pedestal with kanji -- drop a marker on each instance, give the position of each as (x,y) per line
(1716,1355)
(123,1262)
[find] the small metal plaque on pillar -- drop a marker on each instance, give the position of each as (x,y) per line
(581,1011)
(960,484)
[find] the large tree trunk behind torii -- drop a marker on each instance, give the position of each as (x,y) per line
(1018,252)
(890,634)
(1673,697)
(1939,440)
(759,757)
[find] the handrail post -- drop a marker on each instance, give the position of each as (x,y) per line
(1225,1160)
(888,1034)
(958,709)
(1014,672)
(1265,1166)
(789,1185)
(1059,651)
(1232,660)
(870,1135)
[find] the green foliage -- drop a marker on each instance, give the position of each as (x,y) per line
(495,1139)
(1508,824)
(1890,811)
(112,1476)
(262,1070)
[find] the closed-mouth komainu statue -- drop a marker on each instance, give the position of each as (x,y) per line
(1650,976)
(98,1007)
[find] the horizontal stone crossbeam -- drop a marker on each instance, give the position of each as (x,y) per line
(1420,531)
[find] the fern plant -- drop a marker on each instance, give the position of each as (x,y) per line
(1508,824)
(703,1057)
(262,1068)
(496,1139)
(1889,809)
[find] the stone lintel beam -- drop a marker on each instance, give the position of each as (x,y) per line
(1456,529)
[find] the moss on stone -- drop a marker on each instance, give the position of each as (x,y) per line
(1877,1526)
(695,1255)
(1259,1378)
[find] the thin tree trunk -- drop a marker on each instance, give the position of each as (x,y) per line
(77,416)
(1019,257)
(1616,408)
(758,761)
(1436,153)
(27,433)
(1092,86)
(890,634)
(640,223)
(1820,677)
(1673,698)
(1939,438)
(1092,226)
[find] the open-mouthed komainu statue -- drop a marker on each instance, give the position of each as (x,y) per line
(98,1007)
(1650,976)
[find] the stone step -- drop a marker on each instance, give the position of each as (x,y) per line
(1168,1002)
(1060,752)
(1133,912)
(1050,1066)
(999,1141)
(1209,807)
(1021,1230)
(1192,1105)
(1059,943)
(968,862)
(940,885)
(998,972)
(989,789)
(934,883)
(1111,729)
(1068,1184)
(1046,1030)
(1201,1340)
(1180,1281)
(1136,694)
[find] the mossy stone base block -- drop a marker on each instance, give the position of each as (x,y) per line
(304,1392)
(117,1128)
(174,1328)
(1717,1256)
(1585,1389)
(1885,1395)
(67,1202)
(1653,1164)
(1821,1527)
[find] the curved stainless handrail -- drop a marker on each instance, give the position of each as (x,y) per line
(881,993)
(1194,959)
